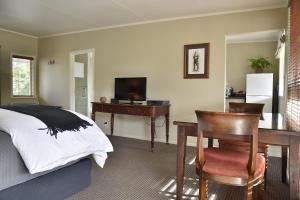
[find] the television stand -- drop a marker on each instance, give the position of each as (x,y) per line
(152,111)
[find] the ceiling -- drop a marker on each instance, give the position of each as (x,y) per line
(50,17)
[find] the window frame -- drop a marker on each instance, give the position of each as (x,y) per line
(33,76)
(282,72)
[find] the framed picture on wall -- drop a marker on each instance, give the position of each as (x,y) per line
(196,61)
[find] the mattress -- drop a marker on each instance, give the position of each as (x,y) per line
(12,168)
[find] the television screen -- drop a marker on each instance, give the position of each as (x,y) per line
(133,89)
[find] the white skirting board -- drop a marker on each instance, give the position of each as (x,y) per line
(273,150)
(139,128)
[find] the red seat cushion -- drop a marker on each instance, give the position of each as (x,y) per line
(231,163)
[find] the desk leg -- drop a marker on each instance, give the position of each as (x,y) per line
(294,161)
(283,164)
(181,148)
(112,119)
(93,116)
(167,127)
(152,132)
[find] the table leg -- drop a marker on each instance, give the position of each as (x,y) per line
(167,127)
(284,164)
(112,119)
(181,148)
(210,142)
(294,162)
(152,132)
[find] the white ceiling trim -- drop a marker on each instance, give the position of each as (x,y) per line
(165,20)
(252,41)
(18,33)
(261,36)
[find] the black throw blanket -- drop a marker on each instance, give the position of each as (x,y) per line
(56,119)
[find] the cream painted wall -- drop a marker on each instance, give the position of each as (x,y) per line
(237,61)
(155,51)
(13,43)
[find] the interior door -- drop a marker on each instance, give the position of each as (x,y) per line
(81,83)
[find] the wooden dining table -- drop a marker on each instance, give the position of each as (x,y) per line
(271,131)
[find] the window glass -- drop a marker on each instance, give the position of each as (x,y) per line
(22,76)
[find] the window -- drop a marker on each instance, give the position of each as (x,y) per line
(22,76)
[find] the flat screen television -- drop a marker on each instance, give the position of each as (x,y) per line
(133,89)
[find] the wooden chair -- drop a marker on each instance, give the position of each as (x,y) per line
(254,108)
(230,167)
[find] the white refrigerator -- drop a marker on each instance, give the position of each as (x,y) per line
(259,89)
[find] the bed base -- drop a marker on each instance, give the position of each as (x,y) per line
(56,185)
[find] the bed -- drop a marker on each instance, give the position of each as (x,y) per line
(20,180)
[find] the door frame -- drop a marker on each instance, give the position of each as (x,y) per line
(90,78)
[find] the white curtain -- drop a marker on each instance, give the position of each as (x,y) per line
(280,44)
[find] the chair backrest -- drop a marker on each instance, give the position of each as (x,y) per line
(218,124)
(256,108)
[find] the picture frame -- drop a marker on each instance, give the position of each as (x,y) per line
(196,61)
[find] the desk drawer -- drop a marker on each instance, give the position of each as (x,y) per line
(139,111)
(114,109)
(97,107)
(108,108)
(124,109)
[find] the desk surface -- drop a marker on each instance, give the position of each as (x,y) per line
(133,105)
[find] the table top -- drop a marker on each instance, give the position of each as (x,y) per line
(274,121)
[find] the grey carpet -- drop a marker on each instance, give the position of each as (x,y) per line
(132,172)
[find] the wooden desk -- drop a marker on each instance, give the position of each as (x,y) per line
(265,135)
(152,111)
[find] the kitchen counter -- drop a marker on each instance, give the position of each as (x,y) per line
(235,97)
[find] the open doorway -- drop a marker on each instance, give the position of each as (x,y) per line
(82,81)
(245,84)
